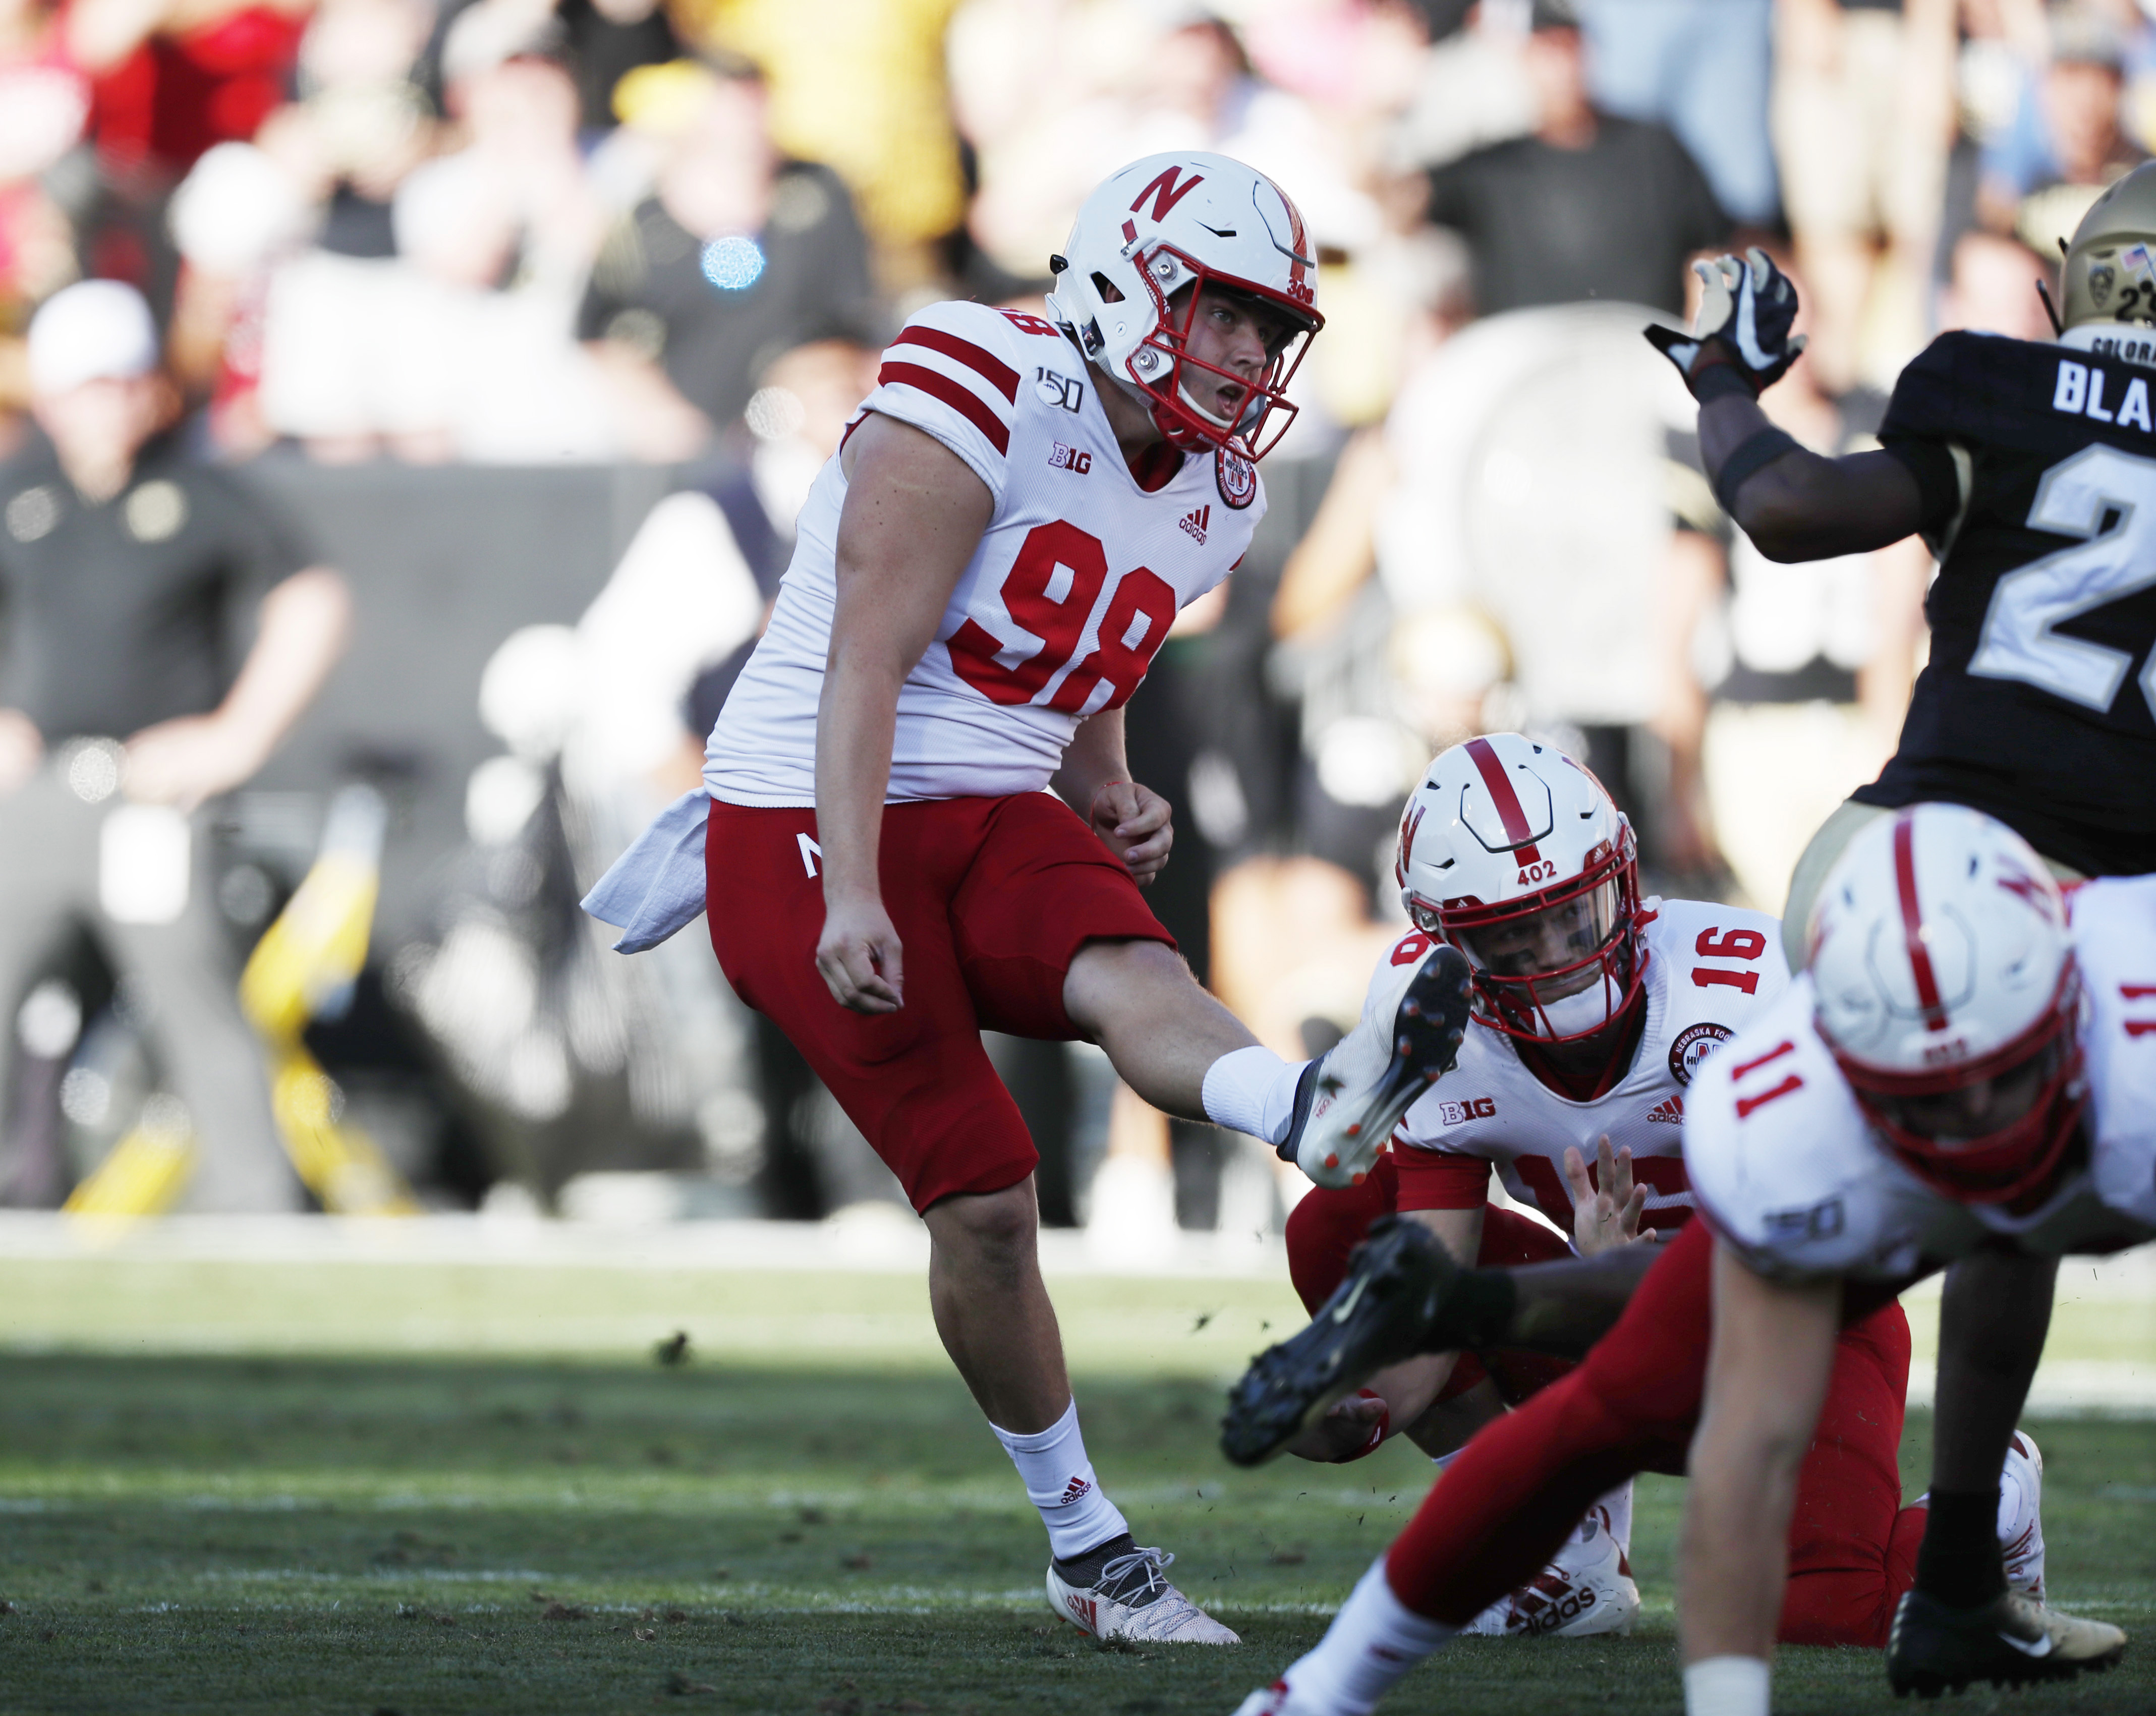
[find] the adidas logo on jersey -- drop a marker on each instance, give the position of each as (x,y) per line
(1063,458)
(1075,1491)
(1669,1111)
(1196,520)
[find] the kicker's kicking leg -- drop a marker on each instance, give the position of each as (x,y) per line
(1183,1053)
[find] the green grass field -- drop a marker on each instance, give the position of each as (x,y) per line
(826,1527)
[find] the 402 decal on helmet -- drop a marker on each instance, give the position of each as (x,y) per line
(1514,854)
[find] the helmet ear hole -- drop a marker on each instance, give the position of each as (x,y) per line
(1109,292)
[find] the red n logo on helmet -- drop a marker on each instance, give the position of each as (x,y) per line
(1166,192)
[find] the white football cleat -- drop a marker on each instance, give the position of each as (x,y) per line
(1133,1599)
(1348,1100)
(1278,1699)
(2020,1517)
(1588,1589)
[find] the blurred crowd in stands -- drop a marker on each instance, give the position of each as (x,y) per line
(678,233)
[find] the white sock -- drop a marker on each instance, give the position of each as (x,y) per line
(1726,1686)
(1617,1506)
(1252,1090)
(1373,1641)
(1058,1480)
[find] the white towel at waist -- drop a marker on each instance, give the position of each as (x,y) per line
(657,885)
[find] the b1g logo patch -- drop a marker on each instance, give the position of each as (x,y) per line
(1237,477)
(1694,1044)
(1473,1109)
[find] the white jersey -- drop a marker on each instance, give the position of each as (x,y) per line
(1074,584)
(1788,1170)
(1710,970)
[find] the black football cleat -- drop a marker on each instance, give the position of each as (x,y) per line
(1398,1279)
(2011,1640)
(1349,1101)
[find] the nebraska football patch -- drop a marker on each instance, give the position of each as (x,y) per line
(1694,1044)
(1236,476)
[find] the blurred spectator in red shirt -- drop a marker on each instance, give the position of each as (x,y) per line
(316,182)
(174,77)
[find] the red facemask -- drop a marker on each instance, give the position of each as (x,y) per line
(1264,413)
(1607,894)
(2012,1162)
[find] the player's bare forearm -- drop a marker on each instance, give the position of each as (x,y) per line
(1095,758)
(1802,506)
(856,718)
(1460,1232)
(1132,821)
(913,518)
(1564,1308)
(1767,1369)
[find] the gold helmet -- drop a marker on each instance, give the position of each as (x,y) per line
(2110,264)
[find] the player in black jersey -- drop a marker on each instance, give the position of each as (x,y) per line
(2030,470)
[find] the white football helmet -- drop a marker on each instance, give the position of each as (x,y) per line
(1946,988)
(1514,854)
(1178,220)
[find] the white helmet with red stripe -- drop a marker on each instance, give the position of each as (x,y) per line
(1513,853)
(1183,220)
(1945,987)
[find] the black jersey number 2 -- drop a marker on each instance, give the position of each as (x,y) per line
(2020,639)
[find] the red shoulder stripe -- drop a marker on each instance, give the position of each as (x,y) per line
(981,363)
(939,385)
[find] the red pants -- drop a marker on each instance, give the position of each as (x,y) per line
(992,899)
(1508,1502)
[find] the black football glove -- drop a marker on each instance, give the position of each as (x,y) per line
(1745,314)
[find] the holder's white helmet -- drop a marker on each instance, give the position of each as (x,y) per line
(1184,220)
(1946,988)
(1514,854)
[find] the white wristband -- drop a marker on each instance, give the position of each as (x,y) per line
(1726,1686)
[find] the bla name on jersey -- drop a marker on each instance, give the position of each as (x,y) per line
(2081,392)
(2038,463)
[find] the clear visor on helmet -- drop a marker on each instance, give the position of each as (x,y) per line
(1990,1131)
(1971,1113)
(1557,946)
(1204,401)
(1558,972)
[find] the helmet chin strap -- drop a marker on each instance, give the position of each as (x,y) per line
(1572,1015)
(1211,417)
